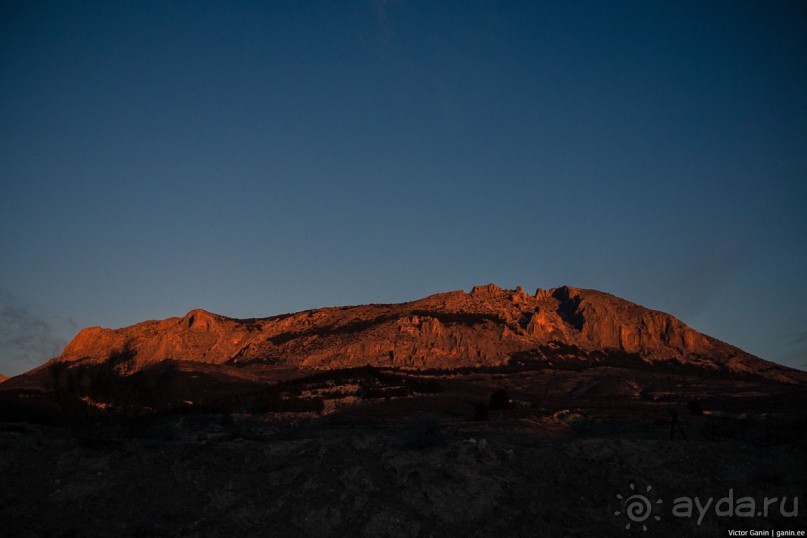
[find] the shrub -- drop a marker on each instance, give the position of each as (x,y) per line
(500,400)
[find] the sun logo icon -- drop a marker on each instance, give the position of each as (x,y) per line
(638,507)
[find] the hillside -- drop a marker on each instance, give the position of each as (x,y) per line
(488,327)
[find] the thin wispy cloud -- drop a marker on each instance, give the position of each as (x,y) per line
(796,350)
(698,281)
(382,11)
(27,337)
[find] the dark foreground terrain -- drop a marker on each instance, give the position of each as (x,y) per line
(372,453)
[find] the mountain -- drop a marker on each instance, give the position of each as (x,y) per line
(489,327)
(473,399)
(3,378)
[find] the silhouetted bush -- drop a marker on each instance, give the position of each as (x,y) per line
(500,400)
(695,407)
(85,391)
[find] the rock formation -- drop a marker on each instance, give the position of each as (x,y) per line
(487,327)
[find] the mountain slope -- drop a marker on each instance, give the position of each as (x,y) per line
(487,327)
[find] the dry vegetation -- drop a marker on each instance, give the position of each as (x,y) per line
(372,452)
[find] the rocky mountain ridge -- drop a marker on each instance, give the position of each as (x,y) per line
(487,327)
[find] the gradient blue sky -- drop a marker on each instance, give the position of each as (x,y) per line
(265,157)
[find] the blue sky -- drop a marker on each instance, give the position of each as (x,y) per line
(266,157)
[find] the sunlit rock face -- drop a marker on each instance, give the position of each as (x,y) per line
(486,327)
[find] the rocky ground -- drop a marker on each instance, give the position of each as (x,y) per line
(426,475)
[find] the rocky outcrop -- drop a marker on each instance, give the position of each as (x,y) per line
(486,327)
(198,336)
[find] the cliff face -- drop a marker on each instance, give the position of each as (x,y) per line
(199,336)
(486,327)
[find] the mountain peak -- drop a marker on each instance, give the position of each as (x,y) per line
(489,327)
(200,319)
(486,290)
